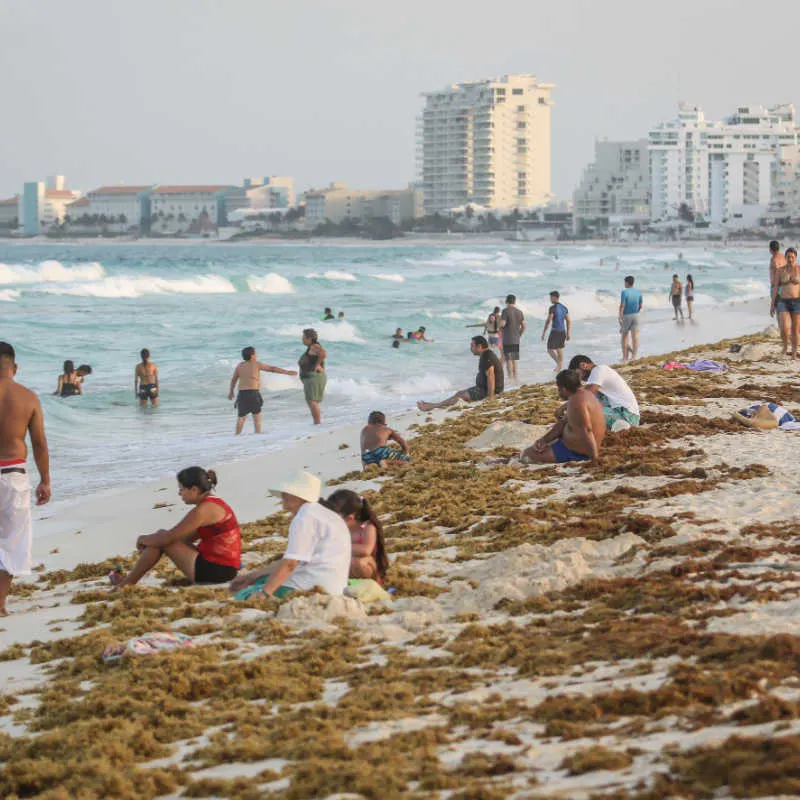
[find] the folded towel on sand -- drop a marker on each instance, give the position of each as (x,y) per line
(701,365)
(765,416)
(147,645)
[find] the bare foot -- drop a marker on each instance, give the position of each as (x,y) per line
(3,612)
(423,406)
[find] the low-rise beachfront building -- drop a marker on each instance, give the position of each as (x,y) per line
(785,205)
(722,171)
(486,143)
(268,194)
(9,213)
(114,208)
(173,209)
(339,202)
(615,188)
(43,206)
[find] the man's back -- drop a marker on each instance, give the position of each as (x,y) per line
(248,372)
(512,329)
(17,407)
(373,436)
(582,400)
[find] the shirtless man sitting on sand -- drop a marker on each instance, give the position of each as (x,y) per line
(145,380)
(248,376)
(578,436)
(20,415)
(375,438)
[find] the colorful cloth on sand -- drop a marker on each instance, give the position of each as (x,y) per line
(366,590)
(785,420)
(701,365)
(147,645)
(255,588)
(385,453)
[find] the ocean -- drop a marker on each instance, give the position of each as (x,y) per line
(195,306)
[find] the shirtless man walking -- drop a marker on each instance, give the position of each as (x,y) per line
(248,376)
(20,414)
(576,437)
(145,380)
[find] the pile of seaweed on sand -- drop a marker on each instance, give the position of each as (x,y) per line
(627,629)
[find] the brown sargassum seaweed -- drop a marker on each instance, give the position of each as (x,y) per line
(255,689)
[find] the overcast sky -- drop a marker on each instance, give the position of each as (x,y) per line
(210,91)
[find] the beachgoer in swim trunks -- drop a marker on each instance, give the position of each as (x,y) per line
(69,383)
(777,266)
(558,315)
(788,283)
(248,376)
(488,382)
(630,305)
(512,324)
(620,407)
(145,380)
(211,523)
(576,437)
(375,438)
(20,416)
(676,295)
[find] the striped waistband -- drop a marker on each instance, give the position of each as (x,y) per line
(5,470)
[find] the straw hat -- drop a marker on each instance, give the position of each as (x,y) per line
(763,419)
(302,484)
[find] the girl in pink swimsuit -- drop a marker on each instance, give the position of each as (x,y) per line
(369,554)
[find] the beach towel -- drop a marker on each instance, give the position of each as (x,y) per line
(255,588)
(147,645)
(706,365)
(674,365)
(765,416)
(366,590)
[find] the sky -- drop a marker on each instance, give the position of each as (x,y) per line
(212,91)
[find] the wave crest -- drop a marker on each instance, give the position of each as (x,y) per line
(271,283)
(50,271)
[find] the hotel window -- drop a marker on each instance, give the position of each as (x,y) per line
(517,91)
(521,108)
(522,125)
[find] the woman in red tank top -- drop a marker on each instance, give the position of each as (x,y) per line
(217,554)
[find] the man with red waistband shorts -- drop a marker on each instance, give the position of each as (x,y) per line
(20,414)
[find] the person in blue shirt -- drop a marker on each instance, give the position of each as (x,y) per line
(558,315)
(630,304)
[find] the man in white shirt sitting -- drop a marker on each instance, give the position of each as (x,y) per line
(619,403)
(318,552)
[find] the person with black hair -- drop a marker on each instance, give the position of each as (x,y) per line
(375,438)
(512,324)
(620,407)
(248,375)
(327,315)
(211,523)
(20,416)
(69,382)
(558,315)
(777,267)
(145,380)
(576,437)
(488,382)
(630,306)
(312,373)
(369,558)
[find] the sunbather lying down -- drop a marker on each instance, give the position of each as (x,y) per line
(577,436)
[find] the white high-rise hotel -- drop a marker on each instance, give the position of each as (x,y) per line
(721,170)
(486,143)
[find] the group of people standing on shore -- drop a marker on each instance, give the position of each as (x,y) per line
(784,282)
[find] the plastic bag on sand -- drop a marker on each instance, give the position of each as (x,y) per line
(367,591)
(147,645)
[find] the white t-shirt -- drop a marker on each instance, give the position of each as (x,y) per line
(613,386)
(320,541)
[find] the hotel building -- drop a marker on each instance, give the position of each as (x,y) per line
(175,208)
(43,205)
(339,202)
(615,188)
(486,143)
(257,194)
(123,207)
(723,171)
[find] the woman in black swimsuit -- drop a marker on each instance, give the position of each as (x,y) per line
(69,383)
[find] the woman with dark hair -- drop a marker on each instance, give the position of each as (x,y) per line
(312,373)
(786,295)
(69,382)
(211,523)
(689,292)
(366,533)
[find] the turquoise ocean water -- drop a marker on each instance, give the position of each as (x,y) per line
(196,305)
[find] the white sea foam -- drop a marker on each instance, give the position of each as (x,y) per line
(271,283)
(394,277)
(132,287)
(8,295)
(50,272)
(420,385)
(581,303)
(749,289)
(328,332)
(466,258)
(357,390)
(334,275)
(501,273)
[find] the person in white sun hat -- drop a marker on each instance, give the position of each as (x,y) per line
(318,551)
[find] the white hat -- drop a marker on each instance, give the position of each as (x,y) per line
(302,484)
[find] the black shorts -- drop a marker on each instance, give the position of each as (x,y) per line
(511,352)
(211,572)
(249,401)
(556,340)
(676,300)
(148,391)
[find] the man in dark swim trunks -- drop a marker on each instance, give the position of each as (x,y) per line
(488,382)
(248,376)
(145,380)
(576,437)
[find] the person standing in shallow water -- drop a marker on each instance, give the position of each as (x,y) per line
(689,292)
(248,376)
(676,296)
(512,324)
(312,373)
(69,383)
(777,265)
(145,380)
(20,416)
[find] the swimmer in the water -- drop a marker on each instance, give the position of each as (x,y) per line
(69,383)
(145,380)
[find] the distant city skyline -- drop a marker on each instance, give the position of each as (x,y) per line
(206,92)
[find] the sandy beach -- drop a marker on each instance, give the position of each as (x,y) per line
(624,629)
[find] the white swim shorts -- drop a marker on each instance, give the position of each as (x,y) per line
(15,520)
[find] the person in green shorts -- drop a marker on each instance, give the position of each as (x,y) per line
(312,373)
